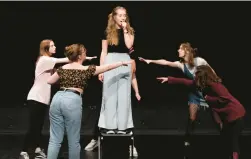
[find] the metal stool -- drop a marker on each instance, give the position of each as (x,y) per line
(102,136)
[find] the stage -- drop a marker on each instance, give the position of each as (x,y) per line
(158,134)
(148,147)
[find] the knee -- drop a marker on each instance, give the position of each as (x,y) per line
(53,143)
(74,145)
(192,118)
(193,111)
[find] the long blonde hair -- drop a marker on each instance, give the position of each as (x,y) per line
(111,30)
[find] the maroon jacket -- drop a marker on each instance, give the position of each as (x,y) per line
(218,98)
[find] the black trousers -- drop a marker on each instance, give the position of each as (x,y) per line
(96,131)
(37,112)
(230,135)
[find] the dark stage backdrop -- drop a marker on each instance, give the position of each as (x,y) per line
(220,30)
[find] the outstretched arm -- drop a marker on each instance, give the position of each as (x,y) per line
(53,79)
(62,60)
(174,80)
(90,58)
(176,64)
(107,67)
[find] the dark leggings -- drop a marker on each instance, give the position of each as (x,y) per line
(96,131)
(37,113)
(193,110)
(230,135)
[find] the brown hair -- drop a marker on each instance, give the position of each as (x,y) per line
(204,76)
(44,48)
(191,53)
(73,51)
(111,30)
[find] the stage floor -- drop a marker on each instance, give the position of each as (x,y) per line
(148,146)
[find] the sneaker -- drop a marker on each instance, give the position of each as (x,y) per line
(92,145)
(40,155)
(121,132)
(135,153)
(186,143)
(110,132)
(24,155)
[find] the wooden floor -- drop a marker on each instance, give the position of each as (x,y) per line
(148,146)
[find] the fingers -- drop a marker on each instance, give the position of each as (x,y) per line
(141,59)
(160,78)
(138,97)
(101,78)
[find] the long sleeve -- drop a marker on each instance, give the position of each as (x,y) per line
(221,95)
(183,81)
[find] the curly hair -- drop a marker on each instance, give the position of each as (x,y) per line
(73,51)
(191,53)
(204,75)
(111,30)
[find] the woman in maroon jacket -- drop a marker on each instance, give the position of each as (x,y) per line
(220,101)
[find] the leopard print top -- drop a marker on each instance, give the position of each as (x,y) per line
(74,77)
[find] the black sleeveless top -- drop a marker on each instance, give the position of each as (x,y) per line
(121,47)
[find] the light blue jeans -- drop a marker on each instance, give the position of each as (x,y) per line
(116,109)
(65,114)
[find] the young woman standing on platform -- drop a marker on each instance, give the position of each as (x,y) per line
(116,111)
(94,142)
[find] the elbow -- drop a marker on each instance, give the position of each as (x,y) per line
(103,53)
(50,82)
(129,46)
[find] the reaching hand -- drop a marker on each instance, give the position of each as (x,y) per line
(93,57)
(101,77)
(138,96)
(144,60)
(162,79)
(125,63)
